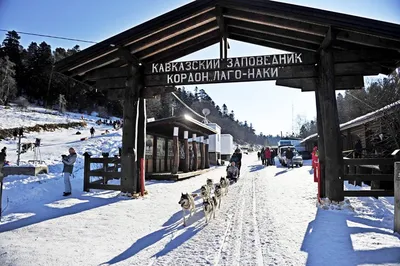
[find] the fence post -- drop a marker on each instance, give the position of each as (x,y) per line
(397,197)
(86,170)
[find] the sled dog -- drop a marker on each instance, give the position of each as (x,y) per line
(224,184)
(218,193)
(209,208)
(205,192)
(187,203)
(210,184)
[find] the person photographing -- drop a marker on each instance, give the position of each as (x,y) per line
(68,161)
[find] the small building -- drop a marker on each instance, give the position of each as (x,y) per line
(369,129)
(215,144)
(159,144)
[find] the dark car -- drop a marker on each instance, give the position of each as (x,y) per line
(306,155)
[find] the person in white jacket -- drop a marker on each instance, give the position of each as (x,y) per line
(68,161)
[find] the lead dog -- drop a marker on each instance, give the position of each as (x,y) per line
(224,184)
(209,208)
(218,193)
(187,203)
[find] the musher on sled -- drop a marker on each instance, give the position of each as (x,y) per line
(236,158)
(232,172)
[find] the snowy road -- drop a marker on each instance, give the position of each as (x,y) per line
(268,218)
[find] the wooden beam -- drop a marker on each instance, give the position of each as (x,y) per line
(145,42)
(257,16)
(330,124)
(179,39)
(290,34)
(311,84)
(321,145)
(197,43)
(368,193)
(130,175)
(368,177)
(167,57)
(369,161)
(115,83)
(275,39)
(365,55)
(107,73)
(264,43)
(367,40)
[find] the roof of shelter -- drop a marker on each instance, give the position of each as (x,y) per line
(361,120)
(165,127)
(200,24)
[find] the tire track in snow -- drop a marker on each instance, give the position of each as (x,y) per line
(259,255)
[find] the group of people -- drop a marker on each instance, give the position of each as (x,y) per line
(267,156)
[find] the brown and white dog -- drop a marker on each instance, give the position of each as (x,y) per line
(187,203)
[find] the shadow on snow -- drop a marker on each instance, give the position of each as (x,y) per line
(42,212)
(173,225)
(328,238)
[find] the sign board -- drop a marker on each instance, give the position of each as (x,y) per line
(251,68)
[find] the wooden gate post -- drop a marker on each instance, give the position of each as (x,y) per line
(207,155)
(175,150)
(186,149)
(194,144)
(86,169)
(202,154)
(130,177)
(330,123)
(141,141)
(397,197)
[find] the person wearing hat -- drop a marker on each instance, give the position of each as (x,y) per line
(68,161)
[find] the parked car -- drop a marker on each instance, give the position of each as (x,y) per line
(306,155)
(296,161)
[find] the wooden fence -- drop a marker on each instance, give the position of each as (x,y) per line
(377,172)
(107,168)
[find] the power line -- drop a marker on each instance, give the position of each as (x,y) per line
(184,104)
(50,36)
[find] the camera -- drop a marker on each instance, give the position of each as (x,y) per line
(63,156)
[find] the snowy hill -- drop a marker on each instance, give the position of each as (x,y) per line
(268,218)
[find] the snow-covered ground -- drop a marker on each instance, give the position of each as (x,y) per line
(268,218)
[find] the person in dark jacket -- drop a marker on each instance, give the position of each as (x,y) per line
(289,157)
(263,156)
(92,131)
(272,156)
(3,155)
(237,158)
(68,161)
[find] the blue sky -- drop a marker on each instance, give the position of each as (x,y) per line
(267,106)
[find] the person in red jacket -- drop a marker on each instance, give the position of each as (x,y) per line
(267,154)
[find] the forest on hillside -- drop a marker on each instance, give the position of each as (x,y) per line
(27,75)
